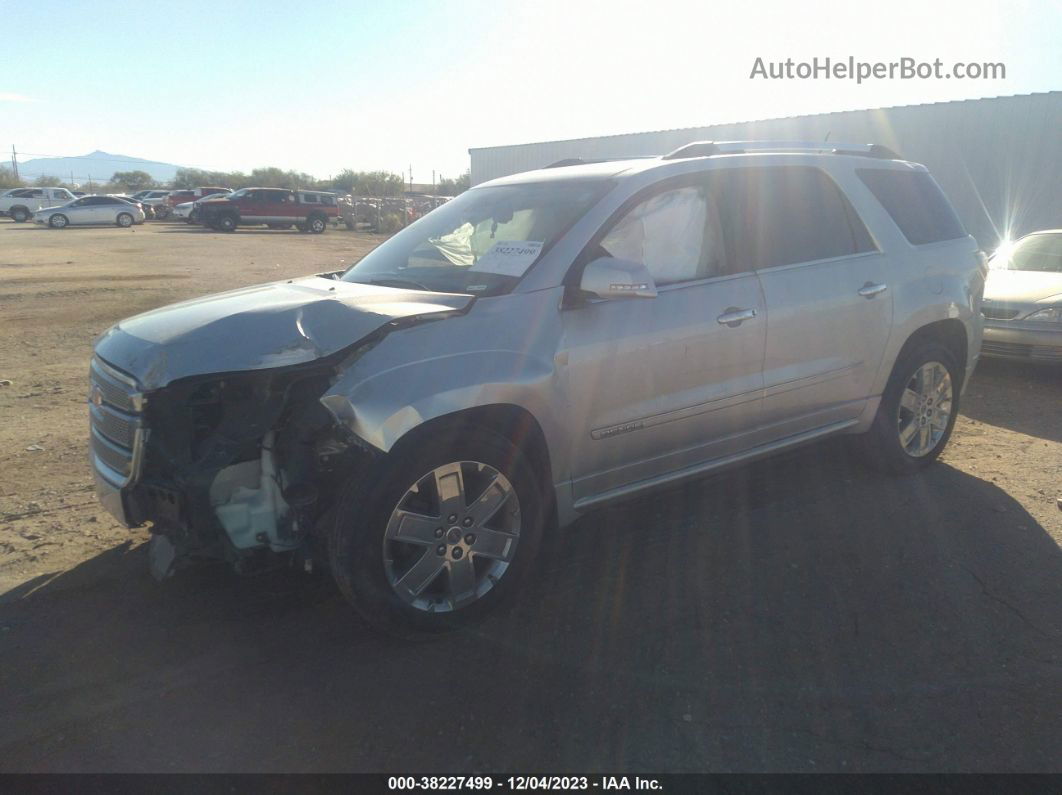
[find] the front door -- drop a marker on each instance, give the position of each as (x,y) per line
(660,384)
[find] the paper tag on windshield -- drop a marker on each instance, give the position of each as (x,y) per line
(509,257)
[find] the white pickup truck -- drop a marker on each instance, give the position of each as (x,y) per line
(21,204)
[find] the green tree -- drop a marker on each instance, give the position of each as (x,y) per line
(452,187)
(369,183)
(7,178)
(133,180)
(44,181)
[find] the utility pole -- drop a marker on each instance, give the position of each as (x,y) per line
(433,190)
(410,177)
(14,162)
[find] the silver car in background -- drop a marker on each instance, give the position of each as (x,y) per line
(91,210)
(1023,299)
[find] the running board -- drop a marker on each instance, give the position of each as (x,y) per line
(690,472)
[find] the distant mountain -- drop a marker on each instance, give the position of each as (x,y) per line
(97,165)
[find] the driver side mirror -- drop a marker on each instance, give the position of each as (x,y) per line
(608,277)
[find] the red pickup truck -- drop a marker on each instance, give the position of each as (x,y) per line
(277,208)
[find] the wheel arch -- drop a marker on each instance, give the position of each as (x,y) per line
(950,332)
(508,420)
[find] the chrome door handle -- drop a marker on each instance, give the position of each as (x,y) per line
(734,317)
(869,290)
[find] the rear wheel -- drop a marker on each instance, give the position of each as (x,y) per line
(58,221)
(917,412)
(226,223)
(20,215)
(124,220)
(439,535)
(301,226)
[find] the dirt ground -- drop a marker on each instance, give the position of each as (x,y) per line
(799,614)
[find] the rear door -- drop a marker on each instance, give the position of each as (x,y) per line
(825,283)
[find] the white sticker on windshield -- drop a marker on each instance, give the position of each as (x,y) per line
(509,257)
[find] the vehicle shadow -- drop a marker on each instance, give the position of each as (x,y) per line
(800,614)
(1020,396)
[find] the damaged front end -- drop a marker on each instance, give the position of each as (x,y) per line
(240,465)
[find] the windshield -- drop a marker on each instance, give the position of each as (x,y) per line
(1041,252)
(482,242)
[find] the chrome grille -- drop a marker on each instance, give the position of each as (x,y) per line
(117,431)
(999,313)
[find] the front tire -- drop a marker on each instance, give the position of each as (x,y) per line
(124,220)
(317,224)
(58,221)
(918,411)
(226,223)
(439,535)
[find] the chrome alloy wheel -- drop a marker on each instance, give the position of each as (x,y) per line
(451,536)
(924,410)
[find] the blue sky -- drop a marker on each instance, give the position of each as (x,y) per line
(324,86)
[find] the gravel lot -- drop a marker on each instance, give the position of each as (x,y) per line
(800,614)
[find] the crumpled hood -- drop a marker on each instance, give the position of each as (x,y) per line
(1021,286)
(255,328)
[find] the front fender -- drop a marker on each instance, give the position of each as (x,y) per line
(383,407)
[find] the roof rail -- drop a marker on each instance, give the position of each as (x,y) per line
(580,161)
(709,148)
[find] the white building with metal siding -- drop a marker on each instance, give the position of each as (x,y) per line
(998,159)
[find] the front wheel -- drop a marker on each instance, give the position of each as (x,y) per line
(918,410)
(225,223)
(317,224)
(125,220)
(58,221)
(439,535)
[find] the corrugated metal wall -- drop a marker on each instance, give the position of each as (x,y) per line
(999,160)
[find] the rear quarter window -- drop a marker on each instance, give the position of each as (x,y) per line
(915,203)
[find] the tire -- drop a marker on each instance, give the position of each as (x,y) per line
(917,412)
(124,220)
(301,226)
(226,223)
(19,215)
(317,224)
(58,221)
(369,564)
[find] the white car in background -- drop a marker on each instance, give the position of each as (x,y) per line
(1023,299)
(185,211)
(91,210)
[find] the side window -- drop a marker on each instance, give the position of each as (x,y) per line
(34,194)
(785,215)
(675,234)
(915,202)
(309,198)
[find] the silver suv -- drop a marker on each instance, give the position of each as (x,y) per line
(543,344)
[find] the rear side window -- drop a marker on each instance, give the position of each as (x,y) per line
(309,198)
(916,203)
(785,215)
